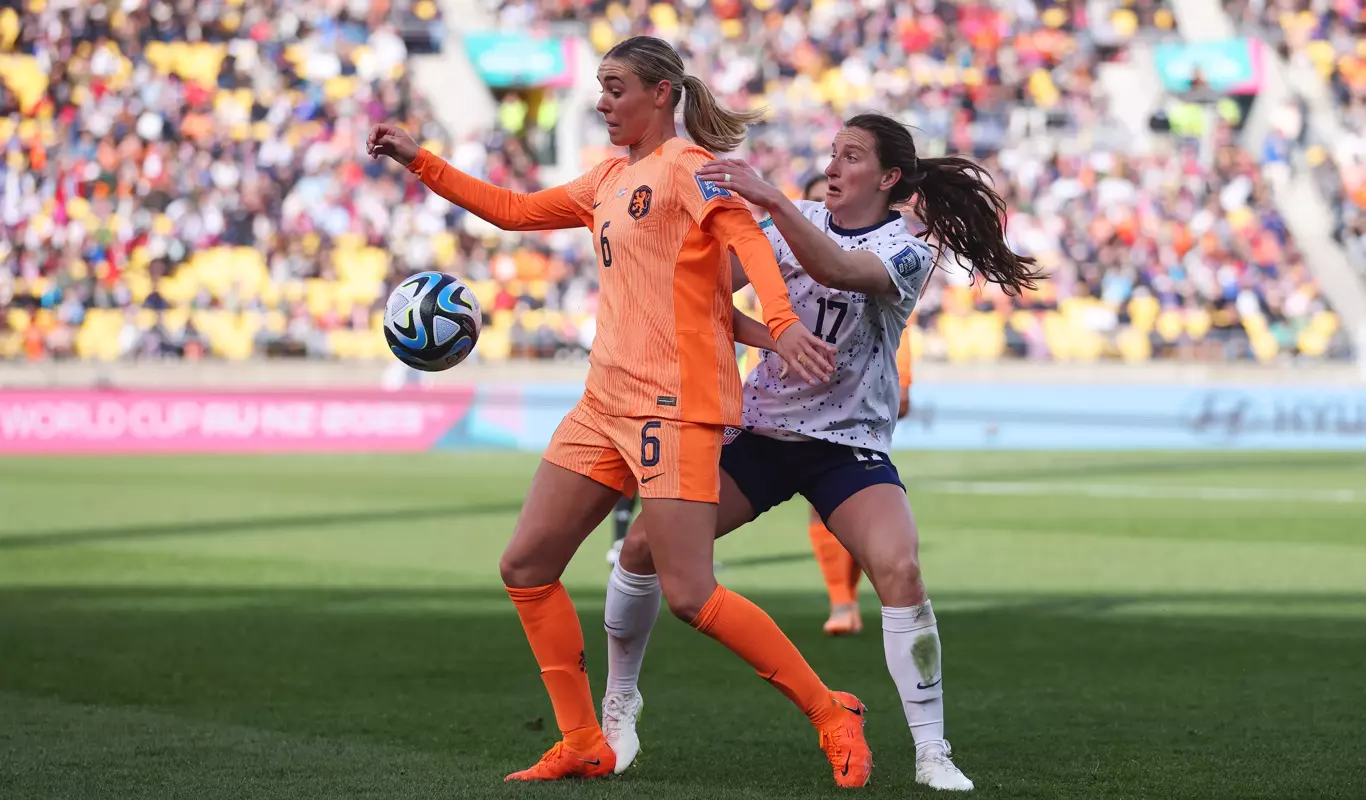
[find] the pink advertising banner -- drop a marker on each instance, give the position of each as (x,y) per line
(106,421)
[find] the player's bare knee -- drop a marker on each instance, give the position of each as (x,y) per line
(686,602)
(635,553)
(898,581)
(522,571)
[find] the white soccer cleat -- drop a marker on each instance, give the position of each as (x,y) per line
(620,710)
(935,769)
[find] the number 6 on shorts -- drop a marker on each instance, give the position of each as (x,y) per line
(649,445)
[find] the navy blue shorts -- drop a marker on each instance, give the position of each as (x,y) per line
(770,471)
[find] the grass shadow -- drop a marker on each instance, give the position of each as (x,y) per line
(1047,697)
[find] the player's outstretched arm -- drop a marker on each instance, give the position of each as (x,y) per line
(550,209)
(825,261)
(736,230)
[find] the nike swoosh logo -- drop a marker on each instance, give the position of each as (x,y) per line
(847,756)
(873,466)
(858,712)
(929,685)
(770,677)
(652,477)
(597,762)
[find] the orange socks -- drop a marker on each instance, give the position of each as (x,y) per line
(552,627)
(751,634)
(839,569)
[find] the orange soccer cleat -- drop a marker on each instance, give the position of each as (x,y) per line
(560,763)
(844,620)
(843,742)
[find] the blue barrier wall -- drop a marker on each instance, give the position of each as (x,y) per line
(978,416)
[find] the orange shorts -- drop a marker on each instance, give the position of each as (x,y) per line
(663,458)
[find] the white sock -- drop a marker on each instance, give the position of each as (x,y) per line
(910,639)
(632,606)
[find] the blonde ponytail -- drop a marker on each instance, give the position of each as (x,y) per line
(710,124)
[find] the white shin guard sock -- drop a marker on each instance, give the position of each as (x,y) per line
(630,613)
(910,639)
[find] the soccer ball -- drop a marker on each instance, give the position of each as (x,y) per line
(432,321)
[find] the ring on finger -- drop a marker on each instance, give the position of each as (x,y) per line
(726,177)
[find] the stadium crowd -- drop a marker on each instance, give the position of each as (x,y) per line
(183,178)
(1331,35)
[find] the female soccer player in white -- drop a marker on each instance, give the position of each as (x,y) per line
(854,272)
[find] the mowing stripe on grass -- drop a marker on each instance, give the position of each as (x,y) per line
(1148,492)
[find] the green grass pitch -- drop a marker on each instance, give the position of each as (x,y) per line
(1115,626)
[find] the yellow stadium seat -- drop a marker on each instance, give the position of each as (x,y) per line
(19,319)
(320,296)
(292,291)
(1198,323)
(444,249)
(1133,345)
(11,344)
(348,241)
(1143,312)
(1264,347)
(954,330)
(1325,323)
(276,322)
(1170,325)
(987,334)
(173,320)
(917,344)
(25,77)
(495,344)
(485,292)
(1311,342)
(339,344)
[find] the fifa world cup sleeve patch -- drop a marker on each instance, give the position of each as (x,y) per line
(907,262)
(710,191)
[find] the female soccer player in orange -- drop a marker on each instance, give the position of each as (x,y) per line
(854,271)
(661,389)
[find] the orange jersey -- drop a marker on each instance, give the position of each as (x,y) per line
(664,345)
(903,358)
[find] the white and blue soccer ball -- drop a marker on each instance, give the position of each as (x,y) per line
(432,321)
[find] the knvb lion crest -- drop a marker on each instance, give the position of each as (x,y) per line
(640,202)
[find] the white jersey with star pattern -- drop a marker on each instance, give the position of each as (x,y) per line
(858,405)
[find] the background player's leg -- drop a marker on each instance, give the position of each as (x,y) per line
(840,573)
(621,523)
(877,526)
(633,592)
(562,508)
(681,536)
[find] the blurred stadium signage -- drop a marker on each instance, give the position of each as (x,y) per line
(948,416)
(41,422)
(506,60)
(1232,66)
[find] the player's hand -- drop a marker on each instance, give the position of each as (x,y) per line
(904,407)
(739,177)
(803,353)
(392,141)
